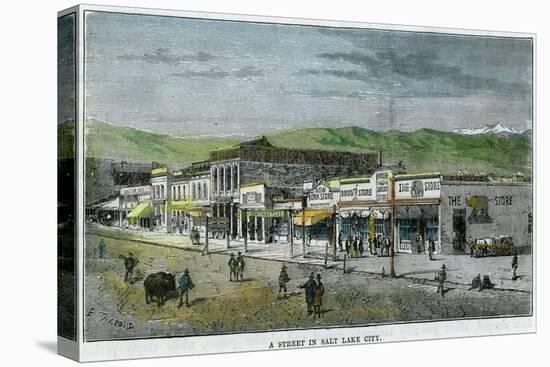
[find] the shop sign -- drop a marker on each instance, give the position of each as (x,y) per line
(382,185)
(353,192)
(138,190)
(252,197)
(267,213)
(423,188)
(321,195)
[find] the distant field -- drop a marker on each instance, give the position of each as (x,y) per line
(420,150)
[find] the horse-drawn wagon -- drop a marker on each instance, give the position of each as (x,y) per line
(491,246)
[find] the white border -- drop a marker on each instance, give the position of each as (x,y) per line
(193,345)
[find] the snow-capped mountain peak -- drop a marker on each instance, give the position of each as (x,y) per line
(498,128)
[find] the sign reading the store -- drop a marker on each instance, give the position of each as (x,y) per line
(356,192)
(422,188)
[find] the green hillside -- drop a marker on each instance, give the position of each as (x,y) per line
(421,150)
(123,143)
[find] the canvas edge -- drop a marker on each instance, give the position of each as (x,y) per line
(185,346)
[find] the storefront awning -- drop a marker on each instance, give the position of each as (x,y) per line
(417,211)
(197,212)
(181,205)
(111,205)
(377,213)
(141,210)
(311,216)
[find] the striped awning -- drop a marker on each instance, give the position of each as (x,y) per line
(141,210)
(311,216)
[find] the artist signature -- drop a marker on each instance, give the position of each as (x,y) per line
(104,317)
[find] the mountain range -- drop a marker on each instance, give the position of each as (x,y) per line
(497,151)
(500,128)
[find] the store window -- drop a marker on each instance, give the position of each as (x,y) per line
(432,229)
(345,227)
(379,226)
(406,230)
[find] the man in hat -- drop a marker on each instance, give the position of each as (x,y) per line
(515,265)
(318,301)
(101,248)
(239,268)
(283,280)
(185,284)
(441,277)
(130,263)
(232,266)
(309,288)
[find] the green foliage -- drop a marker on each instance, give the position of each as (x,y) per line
(133,145)
(421,150)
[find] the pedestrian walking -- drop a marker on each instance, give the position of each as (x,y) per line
(419,244)
(309,288)
(431,249)
(130,262)
(378,245)
(360,246)
(354,250)
(319,291)
(240,266)
(348,245)
(101,248)
(283,280)
(514,265)
(340,241)
(185,284)
(232,267)
(441,277)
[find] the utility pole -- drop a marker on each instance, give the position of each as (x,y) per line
(205,250)
(291,233)
(304,198)
(245,231)
(392,244)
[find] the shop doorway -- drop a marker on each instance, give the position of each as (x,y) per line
(459,229)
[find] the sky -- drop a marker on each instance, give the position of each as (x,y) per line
(204,77)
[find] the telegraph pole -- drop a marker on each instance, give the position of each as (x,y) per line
(392,244)
(245,231)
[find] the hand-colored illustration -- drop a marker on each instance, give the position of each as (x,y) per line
(247,177)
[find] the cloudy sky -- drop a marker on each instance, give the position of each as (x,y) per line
(190,76)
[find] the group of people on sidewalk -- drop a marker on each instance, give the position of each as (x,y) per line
(354,245)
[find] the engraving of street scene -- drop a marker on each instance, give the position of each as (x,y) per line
(246,177)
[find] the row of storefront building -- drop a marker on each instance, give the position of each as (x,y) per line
(270,194)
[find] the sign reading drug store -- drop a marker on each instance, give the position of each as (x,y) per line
(429,188)
(357,192)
